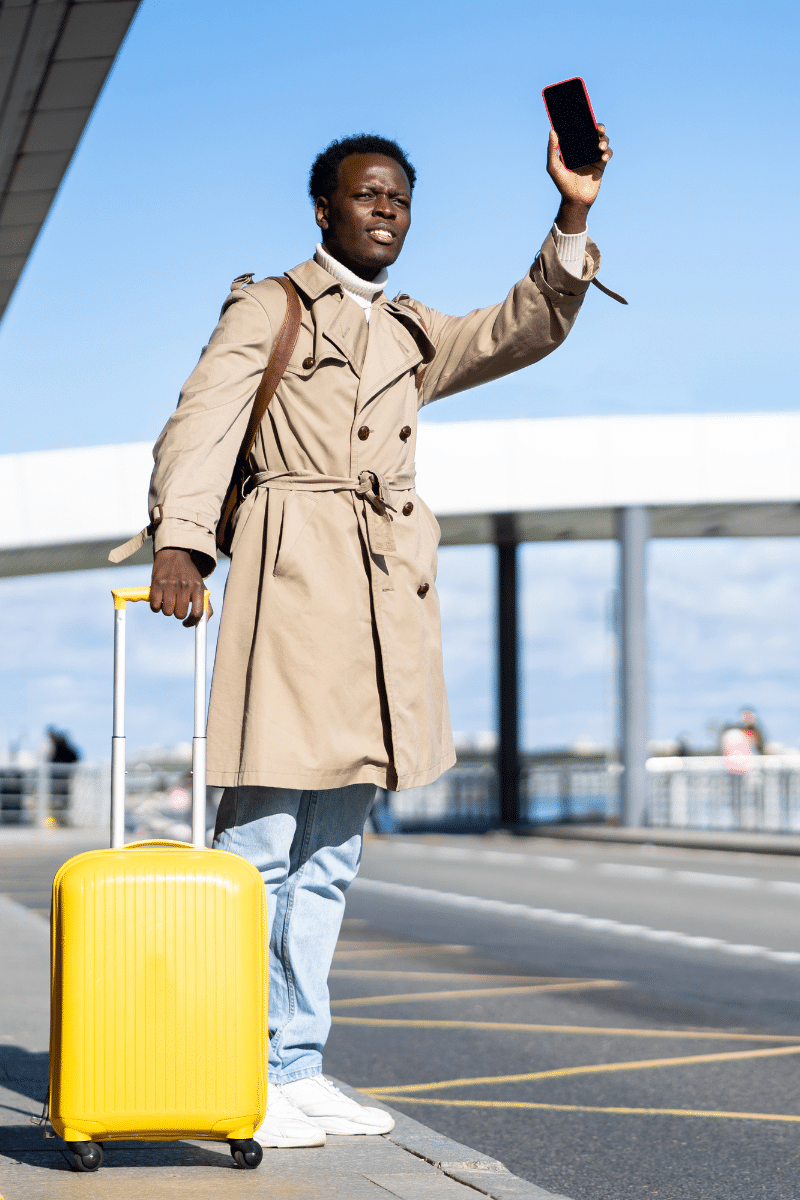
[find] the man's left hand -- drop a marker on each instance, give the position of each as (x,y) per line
(578,188)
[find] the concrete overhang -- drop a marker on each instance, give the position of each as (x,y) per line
(55,56)
(723,475)
(701,475)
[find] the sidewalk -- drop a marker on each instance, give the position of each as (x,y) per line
(412,1163)
(689,839)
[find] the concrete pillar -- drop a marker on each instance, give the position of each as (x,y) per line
(633,531)
(508,766)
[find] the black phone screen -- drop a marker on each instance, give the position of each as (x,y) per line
(571,117)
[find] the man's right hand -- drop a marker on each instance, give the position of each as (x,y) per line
(177,586)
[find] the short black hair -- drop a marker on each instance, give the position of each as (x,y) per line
(324,175)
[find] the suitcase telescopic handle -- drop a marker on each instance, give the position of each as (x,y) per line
(123,597)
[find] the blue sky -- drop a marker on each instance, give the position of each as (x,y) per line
(193,170)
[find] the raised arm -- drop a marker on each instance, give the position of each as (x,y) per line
(538,312)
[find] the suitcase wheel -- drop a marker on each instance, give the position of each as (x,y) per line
(247,1153)
(86,1156)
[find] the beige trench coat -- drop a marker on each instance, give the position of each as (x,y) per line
(329,662)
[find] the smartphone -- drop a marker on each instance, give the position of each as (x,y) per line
(570,112)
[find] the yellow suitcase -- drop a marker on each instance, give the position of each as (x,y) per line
(158,1027)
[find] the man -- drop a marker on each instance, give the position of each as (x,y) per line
(328,676)
(752,730)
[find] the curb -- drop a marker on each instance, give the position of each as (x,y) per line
(479,1171)
(686,839)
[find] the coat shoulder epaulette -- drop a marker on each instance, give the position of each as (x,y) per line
(405,301)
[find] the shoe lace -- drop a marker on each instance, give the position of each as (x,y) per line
(280,1105)
(331,1088)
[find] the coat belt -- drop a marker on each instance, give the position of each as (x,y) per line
(371,486)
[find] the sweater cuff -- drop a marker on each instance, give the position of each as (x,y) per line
(570,248)
(554,280)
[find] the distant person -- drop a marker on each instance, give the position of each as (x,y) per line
(328,679)
(744,736)
(60,748)
(381,816)
(737,749)
(748,722)
(683,747)
(62,753)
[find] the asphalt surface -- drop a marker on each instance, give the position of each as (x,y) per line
(412,1162)
(643,955)
(529,999)
(27,867)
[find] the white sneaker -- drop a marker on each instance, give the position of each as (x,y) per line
(285,1127)
(329,1108)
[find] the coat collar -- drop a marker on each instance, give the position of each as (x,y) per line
(337,329)
(313,280)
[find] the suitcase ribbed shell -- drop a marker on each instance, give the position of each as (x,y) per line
(159,1004)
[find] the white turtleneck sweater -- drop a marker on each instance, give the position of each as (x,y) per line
(570,248)
(363,291)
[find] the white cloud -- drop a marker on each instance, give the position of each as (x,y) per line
(724,633)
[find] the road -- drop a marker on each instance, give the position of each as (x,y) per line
(612,1022)
(616,962)
(29,860)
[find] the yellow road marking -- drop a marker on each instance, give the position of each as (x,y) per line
(466,993)
(368,972)
(591,1108)
(592,1069)
(710,1035)
(384,951)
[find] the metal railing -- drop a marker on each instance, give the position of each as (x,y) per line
(78,795)
(763,794)
(552,788)
(39,795)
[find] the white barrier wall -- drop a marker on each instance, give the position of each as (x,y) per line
(725,473)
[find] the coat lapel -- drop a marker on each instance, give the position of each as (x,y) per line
(340,330)
(391,352)
(396,341)
(346,330)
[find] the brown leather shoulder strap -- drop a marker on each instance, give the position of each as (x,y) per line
(278,362)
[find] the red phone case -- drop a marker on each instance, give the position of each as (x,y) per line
(586,94)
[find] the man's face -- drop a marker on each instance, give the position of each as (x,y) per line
(365,222)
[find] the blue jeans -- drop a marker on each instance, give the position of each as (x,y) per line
(307,846)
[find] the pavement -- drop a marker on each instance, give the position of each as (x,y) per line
(611,1020)
(414,1162)
(658,1055)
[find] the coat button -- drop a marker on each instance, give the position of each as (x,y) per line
(408,509)
(363,433)
(423,589)
(405,432)
(308,364)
